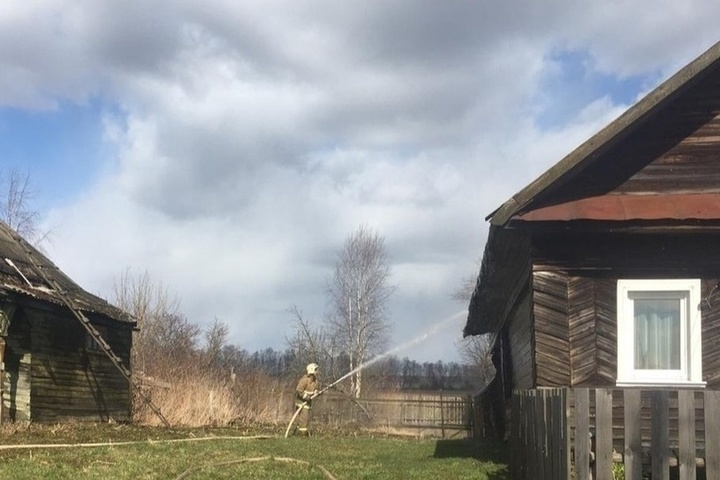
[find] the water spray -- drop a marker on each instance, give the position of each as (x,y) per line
(373,360)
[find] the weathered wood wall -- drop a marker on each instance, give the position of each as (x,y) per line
(71,381)
(18,361)
(711,332)
(552,342)
(52,374)
(592,321)
(561,329)
(581,349)
(521,342)
(675,150)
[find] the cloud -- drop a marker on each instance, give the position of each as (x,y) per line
(246,140)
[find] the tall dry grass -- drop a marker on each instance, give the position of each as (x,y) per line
(192,397)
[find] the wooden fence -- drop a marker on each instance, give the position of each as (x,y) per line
(433,414)
(595,433)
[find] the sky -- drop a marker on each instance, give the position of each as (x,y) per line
(229,147)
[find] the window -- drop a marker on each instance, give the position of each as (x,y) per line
(659,340)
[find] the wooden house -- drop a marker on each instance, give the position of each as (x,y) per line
(602,276)
(53,368)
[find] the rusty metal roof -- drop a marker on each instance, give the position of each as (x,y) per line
(704,206)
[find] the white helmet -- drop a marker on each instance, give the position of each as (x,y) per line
(312,368)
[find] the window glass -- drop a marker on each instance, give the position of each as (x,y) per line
(657,334)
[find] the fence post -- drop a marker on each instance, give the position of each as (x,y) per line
(442,417)
(686,435)
(712,433)
(603,434)
(633,440)
(660,458)
(565,417)
(582,434)
(515,444)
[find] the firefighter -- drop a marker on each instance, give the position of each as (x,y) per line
(307,388)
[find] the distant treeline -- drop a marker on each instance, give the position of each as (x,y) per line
(390,373)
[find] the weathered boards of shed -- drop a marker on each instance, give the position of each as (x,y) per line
(605,271)
(53,370)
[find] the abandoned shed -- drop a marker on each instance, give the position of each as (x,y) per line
(54,369)
(601,280)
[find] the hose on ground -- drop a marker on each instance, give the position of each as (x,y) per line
(192,470)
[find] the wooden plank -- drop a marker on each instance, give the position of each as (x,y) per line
(544,426)
(582,434)
(564,435)
(712,433)
(532,438)
(515,444)
(686,435)
(660,453)
(633,441)
(603,431)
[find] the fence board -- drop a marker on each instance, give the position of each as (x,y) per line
(660,461)
(603,433)
(633,437)
(515,436)
(562,433)
(446,414)
(660,423)
(539,435)
(582,433)
(712,434)
(686,435)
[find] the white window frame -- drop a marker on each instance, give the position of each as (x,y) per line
(690,373)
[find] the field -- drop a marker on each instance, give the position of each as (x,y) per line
(156,453)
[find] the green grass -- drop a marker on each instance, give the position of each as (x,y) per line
(345,456)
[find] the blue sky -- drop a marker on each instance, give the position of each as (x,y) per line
(573,82)
(229,148)
(62,149)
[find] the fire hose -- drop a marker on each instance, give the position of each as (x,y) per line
(302,405)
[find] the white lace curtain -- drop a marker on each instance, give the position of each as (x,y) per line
(657,334)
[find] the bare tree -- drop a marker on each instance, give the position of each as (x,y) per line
(475,350)
(16,197)
(215,337)
(154,310)
(312,344)
(359,292)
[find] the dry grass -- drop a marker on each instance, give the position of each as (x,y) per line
(195,398)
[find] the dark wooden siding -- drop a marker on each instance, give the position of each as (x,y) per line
(550,311)
(71,381)
(671,255)
(503,274)
(520,335)
(711,333)
(691,164)
(18,358)
(592,317)
(593,331)
(673,151)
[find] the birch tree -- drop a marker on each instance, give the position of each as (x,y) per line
(359,292)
